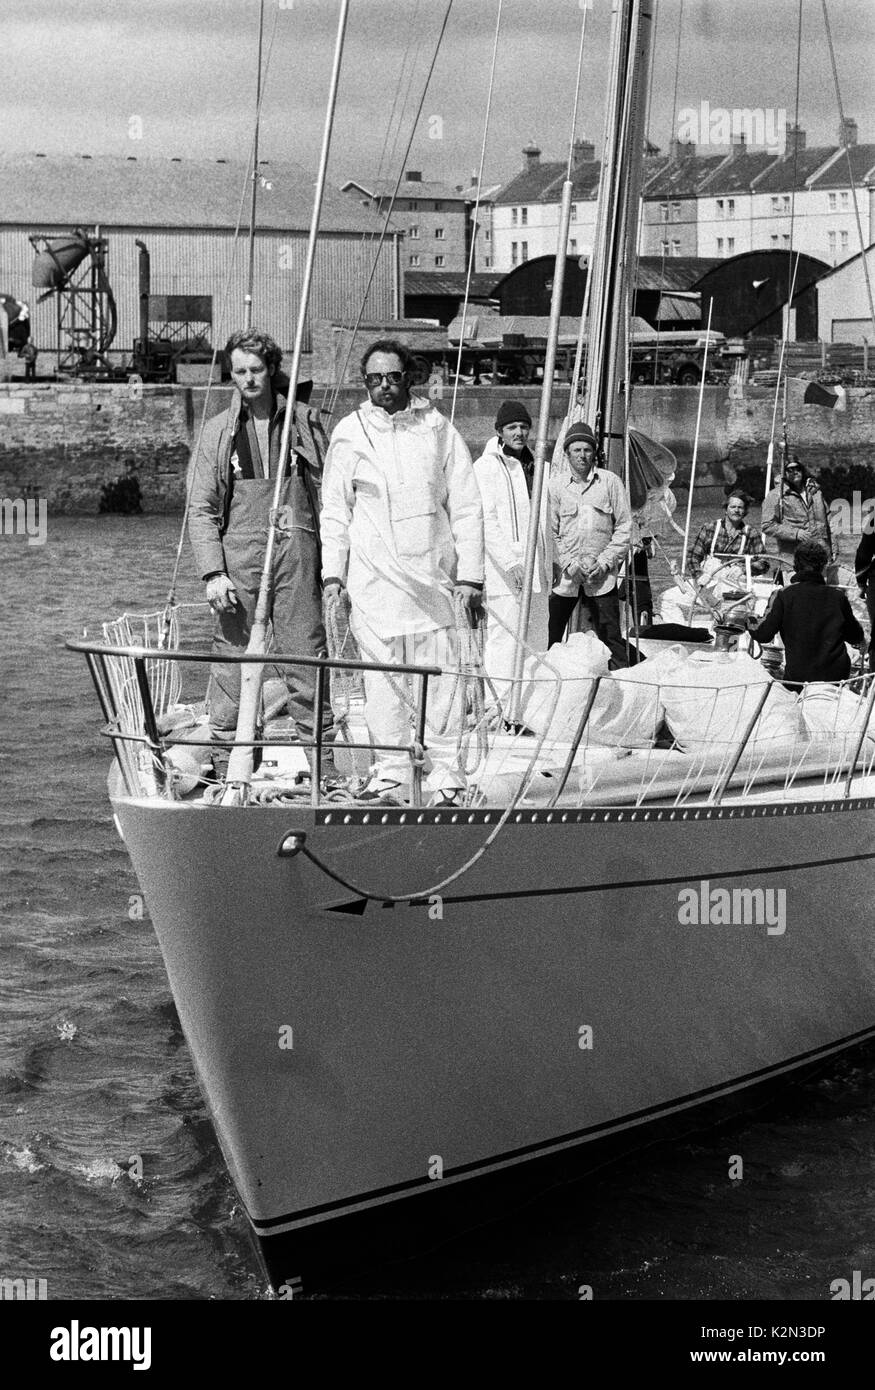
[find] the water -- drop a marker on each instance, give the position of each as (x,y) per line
(96,1084)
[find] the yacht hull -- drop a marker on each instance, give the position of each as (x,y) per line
(359,1056)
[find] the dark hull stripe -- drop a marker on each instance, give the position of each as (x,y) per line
(264,1227)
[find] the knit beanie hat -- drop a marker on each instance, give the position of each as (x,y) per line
(511,413)
(581,432)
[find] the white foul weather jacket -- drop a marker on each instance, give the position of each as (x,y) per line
(402,520)
(506,506)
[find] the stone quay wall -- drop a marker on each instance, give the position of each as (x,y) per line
(65,442)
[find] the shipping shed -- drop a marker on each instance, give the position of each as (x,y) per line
(750,291)
(432,294)
(844,312)
(186,212)
(662,285)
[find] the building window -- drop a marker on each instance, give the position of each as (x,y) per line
(487,235)
(676,211)
(776,204)
(438,207)
(675,248)
(524,250)
(785,203)
(663,212)
(730,245)
(574,212)
(413,233)
(774,238)
(487,262)
(843,201)
(664,247)
(514,215)
(439,233)
(831,199)
(513,253)
(414,262)
(439,260)
(843,241)
(524,217)
(730,207)
(720,246)
(831,243)
(572,247)
(721,210)
(785,239)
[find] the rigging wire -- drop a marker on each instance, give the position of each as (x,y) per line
(250,170)
(472,247)
(835,78)
(342,374)
(584,308)
(386,159)
(785,327)
(250,278)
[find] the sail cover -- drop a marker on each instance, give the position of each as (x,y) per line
(651,470)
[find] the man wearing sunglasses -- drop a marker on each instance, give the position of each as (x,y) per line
(402,533)
(795,511)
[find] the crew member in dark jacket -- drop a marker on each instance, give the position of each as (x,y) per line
(864,564)
(814,621)
(232,479)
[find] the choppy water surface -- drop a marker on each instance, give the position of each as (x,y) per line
(96,1084)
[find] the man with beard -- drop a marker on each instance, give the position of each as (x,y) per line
(796,511)
(402,529)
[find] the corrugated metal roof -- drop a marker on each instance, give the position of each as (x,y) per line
(672,272)
(148,192)
(449,282)
(679,308)
(791,172)
(736,172)
(862,167)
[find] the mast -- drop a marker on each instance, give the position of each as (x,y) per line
(615,253)
(612,270)
(250,277)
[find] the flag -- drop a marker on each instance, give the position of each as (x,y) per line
(832,397)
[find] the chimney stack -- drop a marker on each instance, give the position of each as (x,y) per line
(738,142)
(584,151)
(795,139)
(848,132)
(533,155)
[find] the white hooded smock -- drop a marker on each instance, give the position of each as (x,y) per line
(402,519)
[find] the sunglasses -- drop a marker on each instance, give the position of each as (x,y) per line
(377,378)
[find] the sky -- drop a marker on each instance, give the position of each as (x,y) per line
(177,77)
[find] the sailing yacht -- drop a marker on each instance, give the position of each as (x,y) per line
(394,1009)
